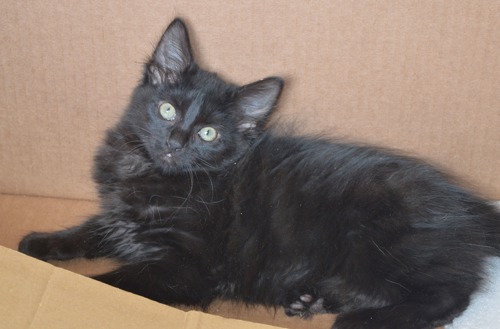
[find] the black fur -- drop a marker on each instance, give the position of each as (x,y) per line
(305,223)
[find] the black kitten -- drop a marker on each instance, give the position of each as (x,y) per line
(200,202)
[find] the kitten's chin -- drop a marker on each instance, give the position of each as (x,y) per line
(170,164)
(170,169)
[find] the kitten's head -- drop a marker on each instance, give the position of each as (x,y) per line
(188,119)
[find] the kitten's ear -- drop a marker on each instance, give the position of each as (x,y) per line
(172,55)
(256,102)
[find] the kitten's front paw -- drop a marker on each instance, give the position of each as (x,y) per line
(38,245)
(305,306)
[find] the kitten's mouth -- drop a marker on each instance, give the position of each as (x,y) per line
(168,158)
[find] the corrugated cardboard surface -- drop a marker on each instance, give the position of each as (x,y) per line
(39,295)
(423,76)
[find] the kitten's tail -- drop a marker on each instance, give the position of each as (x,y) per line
(494,227)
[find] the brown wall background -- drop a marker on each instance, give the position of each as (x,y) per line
(422,76)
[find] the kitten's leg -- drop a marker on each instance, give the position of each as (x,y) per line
(67,244)
(424,309)
(159,272)
(100,236)
(171,280)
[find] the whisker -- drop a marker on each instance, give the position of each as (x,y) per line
(206,164)
(150,133)
(211,183)
(187,197)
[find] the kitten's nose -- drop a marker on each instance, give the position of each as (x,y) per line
(175,145)
(177,140)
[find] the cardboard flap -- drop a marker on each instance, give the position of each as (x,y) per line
(38,295)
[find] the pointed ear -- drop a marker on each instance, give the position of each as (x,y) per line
(256,102)
(172,55)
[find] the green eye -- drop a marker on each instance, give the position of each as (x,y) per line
(167,111)
(208,134)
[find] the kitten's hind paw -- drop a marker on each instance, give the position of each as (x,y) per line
(305,306)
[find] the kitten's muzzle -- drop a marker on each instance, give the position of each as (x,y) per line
(168,157)
(171,152)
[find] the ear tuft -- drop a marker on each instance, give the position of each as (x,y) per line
(172,55)
(256,102)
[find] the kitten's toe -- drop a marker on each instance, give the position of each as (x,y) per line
(299,306)
(305,306)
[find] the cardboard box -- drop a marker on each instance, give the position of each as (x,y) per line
(419,75)
(422,76)
(39,295)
